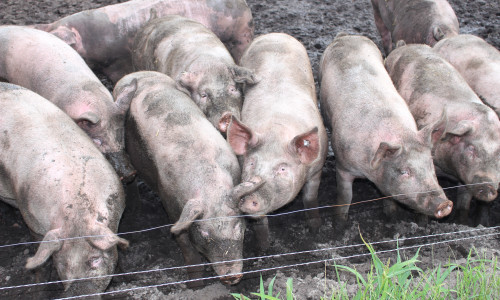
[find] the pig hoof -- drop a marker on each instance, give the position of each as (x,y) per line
(314,225)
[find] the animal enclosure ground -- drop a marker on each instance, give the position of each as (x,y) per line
(315,23)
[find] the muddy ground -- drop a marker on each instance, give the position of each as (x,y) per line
(315,23)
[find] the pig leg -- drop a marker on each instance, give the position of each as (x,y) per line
(385,34)
(390,208)
(344,197)
(191,257)
(261,228)
(483,213)
(464,197)
(310,199)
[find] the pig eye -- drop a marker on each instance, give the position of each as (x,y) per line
(405,172)
(95,262)
(204,96)
(282,169)
(470,151)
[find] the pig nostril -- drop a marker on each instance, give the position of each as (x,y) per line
(254,203)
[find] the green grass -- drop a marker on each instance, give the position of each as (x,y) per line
(403,279)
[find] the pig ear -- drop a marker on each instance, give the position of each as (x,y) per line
(104,239)
(123,95)
(65,34)
(243,75)
(88,116)
(434,132)
(385,151)
(46,249)
(240,137)
(400,43)
(187,82)
(306,146)
(438,33)
(192,211)
(460,130)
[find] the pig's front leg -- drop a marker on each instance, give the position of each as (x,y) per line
(464,197)
(191,257)
(310,199)
(261,227)
(344,197)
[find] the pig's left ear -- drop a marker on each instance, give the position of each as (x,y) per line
(48,246)
(104,239)
(306,146)
(240,137)
(124,93)
(434,132)
(187,81)
(243,75)
(192,211)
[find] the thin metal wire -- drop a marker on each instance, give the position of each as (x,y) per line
(275,268)
(251,258)
(238,216)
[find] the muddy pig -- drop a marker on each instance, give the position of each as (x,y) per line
(102,36)
(193,55)
(280,138)
(414,21)
(479,64)
(44,64)
(188,163)
(374,135)
(64,188)
(470,146)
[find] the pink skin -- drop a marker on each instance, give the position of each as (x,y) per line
(113,27)
(193,169)
(479,64)
(414,21)
(62,185)
(470,147)
(281,138)
(374,135)
(44,64)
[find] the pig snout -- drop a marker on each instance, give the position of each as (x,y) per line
(484,189)
(121,163)
(224,121)
(250,204)
(231,279)
(443,209)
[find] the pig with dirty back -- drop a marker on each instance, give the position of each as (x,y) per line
(46,65)
(64,188)
(191,54)
(374,135)
(479,64)
(102,36)
(470,146)
(414,21)
(280,138)
(188,163)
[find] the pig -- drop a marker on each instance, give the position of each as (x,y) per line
(470,145)
(102,36)
(414,21)
(182,157)
(193,55)
(479,64)
(44,64)
(374,135)
(64,188)
(281,139)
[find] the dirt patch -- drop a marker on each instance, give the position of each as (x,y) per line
(315,24)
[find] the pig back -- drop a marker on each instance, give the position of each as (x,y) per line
(478,62)
(359,100)
(285,84)
(54,169)
(175,148)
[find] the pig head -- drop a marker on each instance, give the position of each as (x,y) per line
(274,168)
(75,258)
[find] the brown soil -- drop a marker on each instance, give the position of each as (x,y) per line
(315,23)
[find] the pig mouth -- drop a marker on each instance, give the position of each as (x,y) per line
(443,209)
(231,279)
